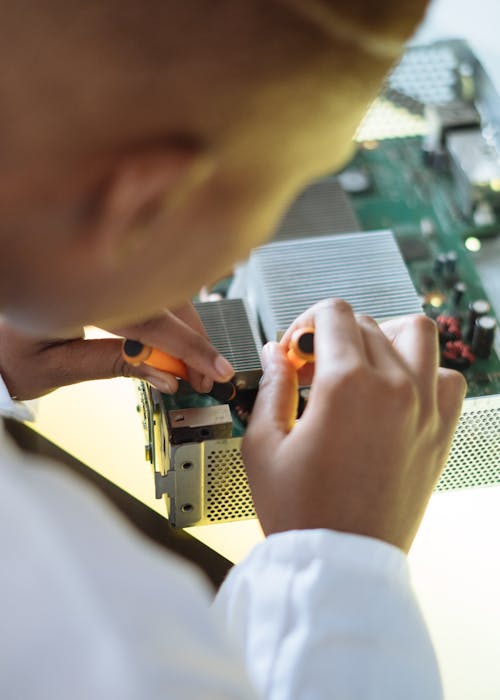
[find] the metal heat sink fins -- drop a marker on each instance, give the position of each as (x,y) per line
(232,331)
(321,209)
(366,269)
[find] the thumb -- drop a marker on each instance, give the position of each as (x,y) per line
(275,409)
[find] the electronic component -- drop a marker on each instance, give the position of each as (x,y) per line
(441,120)
(477,308)
(451,263)
(321,209)
(457,355)
(440,264)
(427,228)
(198,424)
(233,332)
(205,482)
(448,328)
(475,167)
(354,180)
(366,269)
(483,336)
(459,290)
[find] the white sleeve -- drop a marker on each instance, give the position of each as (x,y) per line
(319,614)
(20,410)
(92,610)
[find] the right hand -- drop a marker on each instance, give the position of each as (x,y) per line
(374,437)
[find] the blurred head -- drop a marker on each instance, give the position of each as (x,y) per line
(147,146)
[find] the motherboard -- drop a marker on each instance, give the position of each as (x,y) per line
(401,229)
(421,205)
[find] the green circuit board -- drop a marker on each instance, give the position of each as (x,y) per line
(419,204)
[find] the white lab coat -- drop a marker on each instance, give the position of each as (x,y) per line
(91,610)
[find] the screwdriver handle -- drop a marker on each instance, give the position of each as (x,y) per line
(301,348)
(135,353)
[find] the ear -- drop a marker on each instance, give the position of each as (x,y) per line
(143,187)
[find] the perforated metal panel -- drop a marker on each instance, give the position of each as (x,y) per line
(206,483)
(425,75)
(475,454)
(226,487)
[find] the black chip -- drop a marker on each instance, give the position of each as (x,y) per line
(413,249)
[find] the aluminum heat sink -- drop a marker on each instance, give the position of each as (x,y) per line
(321,209)
(232,331)
(285,278)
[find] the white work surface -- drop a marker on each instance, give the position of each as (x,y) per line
(456,557)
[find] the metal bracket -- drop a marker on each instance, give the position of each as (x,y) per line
(164,483)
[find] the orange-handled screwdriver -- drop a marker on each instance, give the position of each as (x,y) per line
(301,347)
(136,353)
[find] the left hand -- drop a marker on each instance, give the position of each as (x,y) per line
(33,367)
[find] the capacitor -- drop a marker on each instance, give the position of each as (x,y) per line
(459,290)
(440,264)
(477,308)
(451,262)
(483,336)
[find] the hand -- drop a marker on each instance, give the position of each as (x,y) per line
(374,436)
(33,367)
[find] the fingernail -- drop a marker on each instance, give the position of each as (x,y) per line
(206,385)
(223,368)
(267,354)
(165,384)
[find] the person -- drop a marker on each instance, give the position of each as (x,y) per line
(145,148)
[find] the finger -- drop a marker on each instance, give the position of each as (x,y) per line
(190,316)
(338,341)
(306,374)
(84,360)
(163,381)
(275,408)
(452,389)
(171,335)
(379,349)
(415,338)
